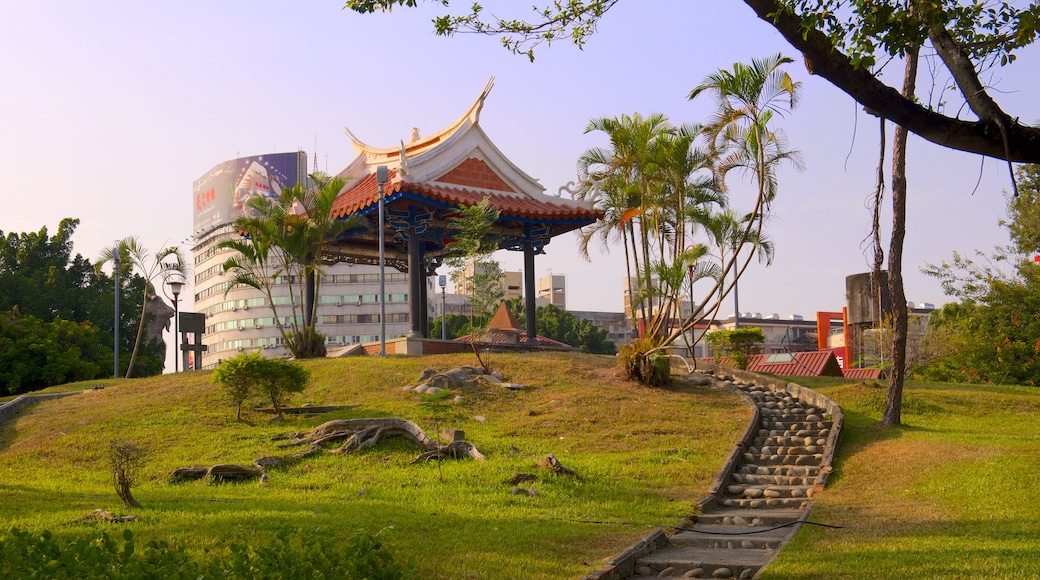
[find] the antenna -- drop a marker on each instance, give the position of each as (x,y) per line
(315,153)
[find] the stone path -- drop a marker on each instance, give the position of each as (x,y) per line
(759,498)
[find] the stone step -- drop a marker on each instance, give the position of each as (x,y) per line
(787,440)
(730,538)
(762,503)
(785,450)
(776,459)
(754,479)
(741,518)
(769,491)
(680,561)
(790,470)
(818,428)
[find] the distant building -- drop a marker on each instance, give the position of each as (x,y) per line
(553,288)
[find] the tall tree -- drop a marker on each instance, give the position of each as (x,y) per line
(994,326)
(134,257)
(838,41)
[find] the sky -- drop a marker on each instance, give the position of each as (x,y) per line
(111,109)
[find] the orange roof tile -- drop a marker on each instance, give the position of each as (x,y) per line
(365,192)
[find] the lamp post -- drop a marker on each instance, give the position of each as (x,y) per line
(176,282)
(115,325)
(381,178)
(442,281)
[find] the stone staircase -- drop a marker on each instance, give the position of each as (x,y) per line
(759,499)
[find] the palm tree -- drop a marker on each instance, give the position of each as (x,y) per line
(739,133)
(286,241)
(134,256)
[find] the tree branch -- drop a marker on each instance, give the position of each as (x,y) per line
(983,137)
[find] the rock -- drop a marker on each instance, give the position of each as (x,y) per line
(747,574)
(739,521)
(497,375)
(698,380)
(695,573)
(512,386)
(666,572)
(458,398)
(461,374)
(752,492)
(422,388)
(407,388)
(771,493)
(188,473)
(747,544)
(643,571)
(434,390)
(812,417)
(492,379)
(480,418)
(735,489)
(722,573)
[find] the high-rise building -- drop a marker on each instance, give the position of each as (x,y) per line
(241,318)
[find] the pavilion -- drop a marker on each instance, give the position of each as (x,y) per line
(429,180)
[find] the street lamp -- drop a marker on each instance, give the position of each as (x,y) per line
(176,282)
(442,281)
(115,326)
(381,178)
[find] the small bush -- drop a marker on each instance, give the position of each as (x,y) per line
(291,554)
(641,363)
(246,374)
(738,344)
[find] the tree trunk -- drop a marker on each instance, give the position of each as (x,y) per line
(894,403)
(140,332)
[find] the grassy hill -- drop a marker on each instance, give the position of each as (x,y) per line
(645,456)
(950,494)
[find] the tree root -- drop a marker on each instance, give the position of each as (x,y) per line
(355,435)
(359,434)
(551,462)
(105,516)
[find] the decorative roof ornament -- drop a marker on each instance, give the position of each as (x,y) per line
(402,171)
(588,190)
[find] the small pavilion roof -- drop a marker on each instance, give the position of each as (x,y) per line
(504,320)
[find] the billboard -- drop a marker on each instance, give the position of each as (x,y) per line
(221,194)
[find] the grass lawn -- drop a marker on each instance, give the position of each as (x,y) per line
(645,456)
(950,494)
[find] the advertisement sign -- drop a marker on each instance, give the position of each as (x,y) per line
(221,195)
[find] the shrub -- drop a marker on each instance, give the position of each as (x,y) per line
(738,344)
(237,377)
(290,554)
(641,363)
(275,379)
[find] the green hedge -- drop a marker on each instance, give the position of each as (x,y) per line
(291,554)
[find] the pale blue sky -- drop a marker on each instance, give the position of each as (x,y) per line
(110,109)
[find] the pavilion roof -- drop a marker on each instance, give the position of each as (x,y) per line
(431,178)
